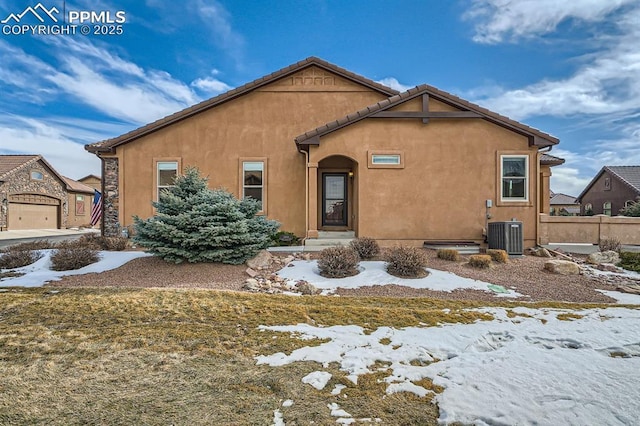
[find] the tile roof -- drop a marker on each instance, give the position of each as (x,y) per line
(551,160)
(628,175)
(109,144)
(75,186)
(539,138)
(562,199)
(9,163)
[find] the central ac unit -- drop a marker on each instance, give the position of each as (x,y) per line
(506,236)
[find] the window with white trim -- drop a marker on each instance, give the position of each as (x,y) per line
(514,172)
(80,210)
(167,173)
(253,181)
(606,208)
(36,175)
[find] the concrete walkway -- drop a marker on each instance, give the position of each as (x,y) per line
(8,238)
(584,248)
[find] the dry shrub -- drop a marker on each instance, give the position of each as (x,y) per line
(73,257)
(367,248)
(481,261)
(609,244)
(98,242)
(18,258)
(630,261)
(448,254)
(338,262)
(406,262)
(499,256)
(29,246)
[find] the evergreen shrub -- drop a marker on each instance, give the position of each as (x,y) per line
(196,224)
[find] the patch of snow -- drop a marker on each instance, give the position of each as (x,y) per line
(336,411)
(39,273)
(374,273)
(317,379)
(337,389)
(504,371)
(287,403)
(622,298)
(407,387)
(278,420)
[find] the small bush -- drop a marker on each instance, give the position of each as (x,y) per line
(406,262)
(448,254)
(338,262)
(114,243)
(73,257)
(607,244)
(283,238)
(367,248)
(18,258)
(499,256)
(630,261)
(29,246)
(481,261)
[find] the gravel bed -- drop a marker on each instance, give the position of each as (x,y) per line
(524,275)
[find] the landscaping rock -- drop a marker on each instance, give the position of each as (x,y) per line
(562,267)
(251,284)
(306,288)
(252,273)
(262,260)
(609,256)
(288,259)
(608,268)
(540,252)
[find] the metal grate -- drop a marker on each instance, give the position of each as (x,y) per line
(506,236)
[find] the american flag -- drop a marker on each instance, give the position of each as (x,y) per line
(96,208)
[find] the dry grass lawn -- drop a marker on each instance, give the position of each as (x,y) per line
(114,356)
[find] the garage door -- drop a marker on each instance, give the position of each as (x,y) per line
(32,216)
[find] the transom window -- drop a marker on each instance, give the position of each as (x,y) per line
(513,182)
(36,175)
(253,181)
(385,159)
(167,173)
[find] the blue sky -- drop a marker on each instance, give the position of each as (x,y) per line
(569,68)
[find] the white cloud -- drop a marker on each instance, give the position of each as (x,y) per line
(211,85)
(394,84)
(497,20)
(21,135)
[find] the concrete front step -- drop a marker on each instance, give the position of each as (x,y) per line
(329,239)
(336,235)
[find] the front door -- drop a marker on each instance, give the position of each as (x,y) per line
(334,199)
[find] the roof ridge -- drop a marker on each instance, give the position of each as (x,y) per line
(443,96)
(108,144)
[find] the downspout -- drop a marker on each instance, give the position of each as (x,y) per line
(538,190)
(306,192)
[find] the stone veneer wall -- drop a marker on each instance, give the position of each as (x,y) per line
(19,182)
(111,198)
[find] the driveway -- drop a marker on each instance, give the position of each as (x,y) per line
(8,238)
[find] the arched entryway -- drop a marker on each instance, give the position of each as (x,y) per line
(337,194)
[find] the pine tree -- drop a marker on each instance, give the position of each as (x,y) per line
(198,224)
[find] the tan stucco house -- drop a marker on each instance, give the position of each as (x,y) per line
(33,195)
(325,149)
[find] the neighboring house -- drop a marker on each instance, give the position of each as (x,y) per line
(564,205)
(611,190)
(35,196)
(324,149)
(93,181)
(80,200)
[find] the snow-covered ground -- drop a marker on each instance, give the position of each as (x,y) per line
(39,273)
(531,369)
